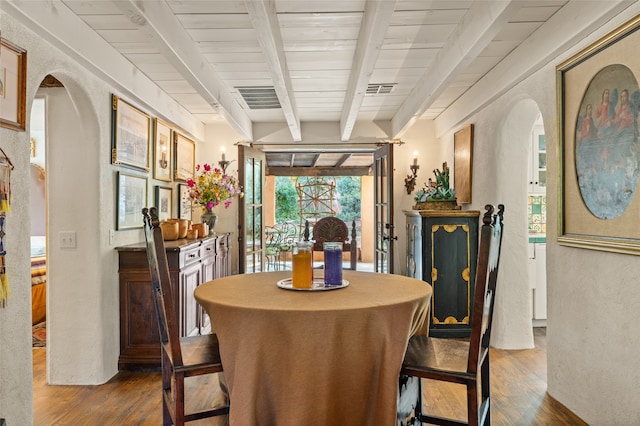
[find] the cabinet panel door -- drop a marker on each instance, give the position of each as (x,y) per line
(223,260)
(190,278)
(450,256)
(139,335)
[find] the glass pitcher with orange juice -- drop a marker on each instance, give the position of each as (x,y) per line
(302,276)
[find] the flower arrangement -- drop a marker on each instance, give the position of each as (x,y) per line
(210,187)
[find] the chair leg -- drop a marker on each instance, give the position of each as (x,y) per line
(472,403)
(178,398)
(166,389)
(485,407)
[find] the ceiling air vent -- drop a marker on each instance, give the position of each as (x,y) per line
(380,89)
(259,97)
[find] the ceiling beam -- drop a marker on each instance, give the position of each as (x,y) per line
(552,40)
(318,171)
(159,23)
(480,25)
(265,21)
(343,160)
(61,27)
(376,19)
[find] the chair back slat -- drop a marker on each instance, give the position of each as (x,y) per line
(333,229)
(161,283)
(485,285)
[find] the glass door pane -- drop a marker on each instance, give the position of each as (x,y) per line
(383,211)
(252,176)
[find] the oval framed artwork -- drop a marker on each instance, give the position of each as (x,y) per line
(599,144)
(607,152)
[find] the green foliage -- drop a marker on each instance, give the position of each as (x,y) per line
(287,205)
(349,194)
(347,198)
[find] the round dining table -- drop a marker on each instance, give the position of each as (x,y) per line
(314,357)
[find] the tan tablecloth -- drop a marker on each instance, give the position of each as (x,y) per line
(329,358)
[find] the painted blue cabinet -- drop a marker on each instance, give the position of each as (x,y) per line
(445,252)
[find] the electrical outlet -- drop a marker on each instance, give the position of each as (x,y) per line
(67,239)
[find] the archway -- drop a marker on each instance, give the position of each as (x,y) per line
(513,317)
(72,153)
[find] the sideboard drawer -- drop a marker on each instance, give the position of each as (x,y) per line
(190,256)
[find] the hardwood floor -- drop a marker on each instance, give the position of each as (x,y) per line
(518,390)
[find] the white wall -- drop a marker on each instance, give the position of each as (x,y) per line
(431,154)
(82,306)
(592,353)
(593,364)
(592,361)
(218,136)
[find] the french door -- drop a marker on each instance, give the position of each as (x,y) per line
(251,173)
(383,214)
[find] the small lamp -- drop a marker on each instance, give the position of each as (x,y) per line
(410,180)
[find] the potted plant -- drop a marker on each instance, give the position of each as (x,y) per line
(437,195)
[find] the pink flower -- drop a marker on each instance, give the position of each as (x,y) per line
(210,187)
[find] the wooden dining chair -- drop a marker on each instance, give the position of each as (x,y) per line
(181,357)
(333,229)
(464,362)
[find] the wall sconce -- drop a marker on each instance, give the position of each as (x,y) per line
(410,180)
(224,163)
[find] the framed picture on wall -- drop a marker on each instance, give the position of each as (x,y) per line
(184,202)
(13,85)
(163,151)
(130,133)
(163,201)
(185,157)
(598,103)
(463,164)
(131,198)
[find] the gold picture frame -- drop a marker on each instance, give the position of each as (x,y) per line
(463,164)
(185,151)
(163,151)
(598,145)
(13,85)
(131,133)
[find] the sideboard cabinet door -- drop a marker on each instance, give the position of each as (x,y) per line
(445,249)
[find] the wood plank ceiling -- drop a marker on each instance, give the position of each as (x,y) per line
(342,61)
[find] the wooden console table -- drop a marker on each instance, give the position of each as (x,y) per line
(191,263)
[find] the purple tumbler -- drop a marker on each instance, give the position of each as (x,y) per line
(332,264)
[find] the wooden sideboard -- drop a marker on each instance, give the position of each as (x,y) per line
(442,249)
(191,263)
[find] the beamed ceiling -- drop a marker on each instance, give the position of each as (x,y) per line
(294,61)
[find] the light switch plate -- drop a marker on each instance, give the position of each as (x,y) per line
(67,239)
